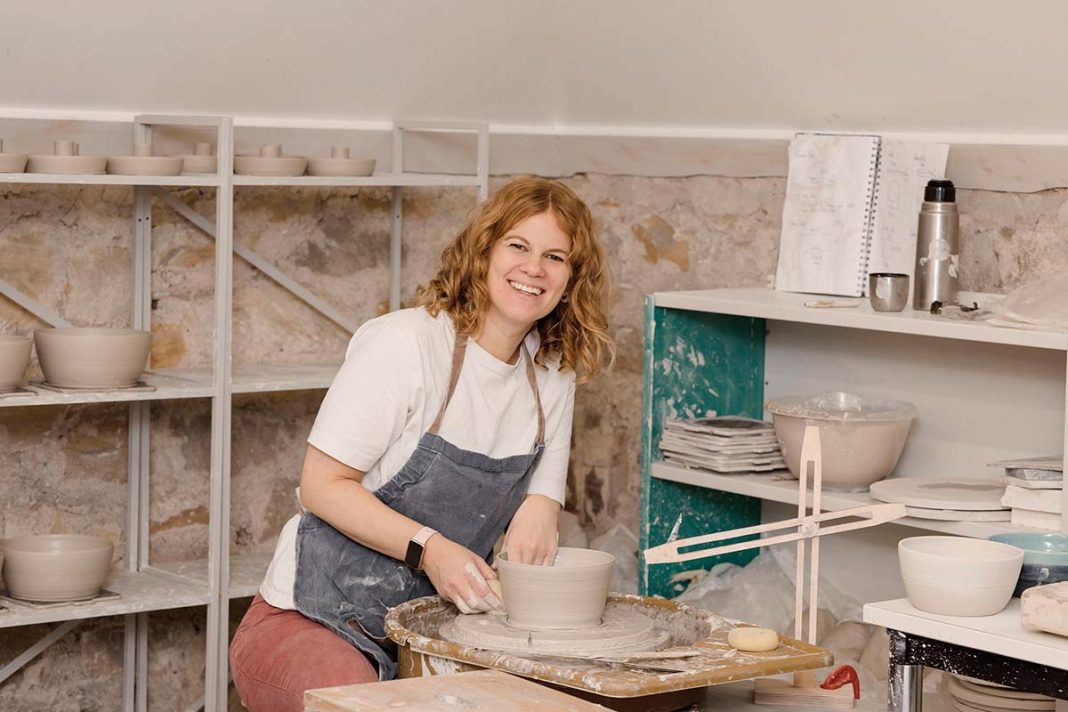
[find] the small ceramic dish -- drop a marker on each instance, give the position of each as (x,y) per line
(571,594)
(67,165)
(958,576)
(340,164)
(145,165)
(73,357)
(1045,558)
(14,358)
(55,567)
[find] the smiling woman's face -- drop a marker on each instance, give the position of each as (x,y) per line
(528,272)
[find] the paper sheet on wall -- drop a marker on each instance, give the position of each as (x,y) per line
(826,214)
(904,169)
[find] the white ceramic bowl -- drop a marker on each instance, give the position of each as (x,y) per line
(55,567)
(14,358)
(73,357)
(861,438)
(957,576)
(569,594)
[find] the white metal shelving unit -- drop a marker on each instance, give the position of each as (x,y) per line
(212,582)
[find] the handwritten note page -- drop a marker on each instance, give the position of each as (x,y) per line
(904,169)
(825,219)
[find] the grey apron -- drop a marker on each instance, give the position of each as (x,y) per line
(467,496)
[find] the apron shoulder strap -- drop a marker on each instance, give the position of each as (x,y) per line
(458,351)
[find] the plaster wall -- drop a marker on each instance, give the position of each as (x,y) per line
(71,249)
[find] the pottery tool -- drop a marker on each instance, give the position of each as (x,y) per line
(804,691)
(695,654)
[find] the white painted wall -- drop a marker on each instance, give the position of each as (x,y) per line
(909,65)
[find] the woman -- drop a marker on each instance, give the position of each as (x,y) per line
(447,425)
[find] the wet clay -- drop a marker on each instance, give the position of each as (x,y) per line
(570,594)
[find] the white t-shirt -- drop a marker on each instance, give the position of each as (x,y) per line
(388,392)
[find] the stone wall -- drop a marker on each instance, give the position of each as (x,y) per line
(70,248)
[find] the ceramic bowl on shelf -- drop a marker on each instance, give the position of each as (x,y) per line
(14,358)
(94,357)
(861,438)
(1045,558)
(12,162)
(65,160)
(340,164)
(958,576)
(570,594)
(270,162)
(55,567)
(202,161)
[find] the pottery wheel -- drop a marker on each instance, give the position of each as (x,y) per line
(621,631)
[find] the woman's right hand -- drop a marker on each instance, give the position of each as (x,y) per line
(459,575)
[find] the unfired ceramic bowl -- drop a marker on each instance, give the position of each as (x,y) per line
(201,161)
(145,165)
(269,166)
(570,594)
(861,439)
(75,357)
(12,162)
(958,576)
(341,166)
(14,358)
(67,165)
(55,567)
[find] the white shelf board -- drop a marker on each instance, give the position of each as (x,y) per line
(266,378)
(789,306)
(1001,633)
(246,572)
(766,486)
(139,592)
(168,387)
(54,179)
(396,180)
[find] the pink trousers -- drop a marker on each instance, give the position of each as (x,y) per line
(277,654)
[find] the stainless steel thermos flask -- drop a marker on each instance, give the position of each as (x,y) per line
(937,246)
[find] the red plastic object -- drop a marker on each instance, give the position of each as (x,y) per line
(842,676)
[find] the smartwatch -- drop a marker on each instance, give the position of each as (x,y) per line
(414,556)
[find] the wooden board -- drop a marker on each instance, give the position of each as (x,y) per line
(482,691)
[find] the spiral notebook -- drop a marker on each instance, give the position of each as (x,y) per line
(851,208)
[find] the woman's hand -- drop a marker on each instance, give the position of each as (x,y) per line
(460,575)
(533,534)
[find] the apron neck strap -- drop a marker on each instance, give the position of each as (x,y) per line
(458,351)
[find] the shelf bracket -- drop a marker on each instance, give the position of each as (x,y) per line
(34,307)
(261,264)
(37,648)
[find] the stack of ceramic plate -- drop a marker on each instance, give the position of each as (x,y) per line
(955,499)
(728,444)
(1033,490)
(970,694)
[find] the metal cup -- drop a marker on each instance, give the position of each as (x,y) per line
(888,291)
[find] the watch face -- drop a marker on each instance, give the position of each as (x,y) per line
(414,556)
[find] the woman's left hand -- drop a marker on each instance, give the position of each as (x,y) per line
(533,533)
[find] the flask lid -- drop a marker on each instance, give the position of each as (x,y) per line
(940,191)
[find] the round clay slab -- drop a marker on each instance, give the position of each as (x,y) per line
(67,165)
(282,166)
(960,515)
(1004,692)
(622,631)
(966,493)
(989,699)
(341,166)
